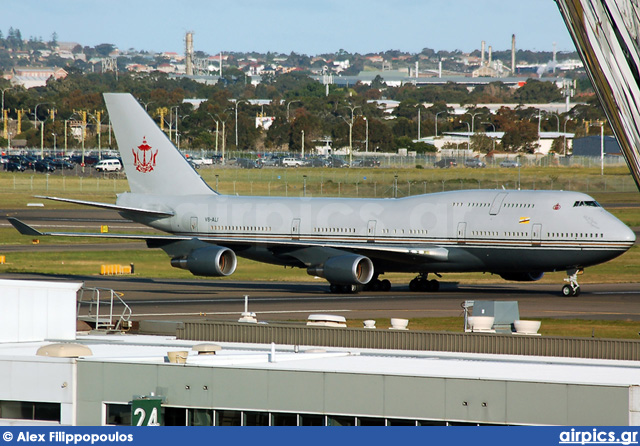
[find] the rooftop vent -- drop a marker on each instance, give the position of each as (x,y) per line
(206,349)
(64,350)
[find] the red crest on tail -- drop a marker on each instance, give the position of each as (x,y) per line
(144,158)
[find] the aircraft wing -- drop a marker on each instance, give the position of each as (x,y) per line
(115,207)
(422,251)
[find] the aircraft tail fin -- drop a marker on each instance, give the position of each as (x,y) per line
(152,163)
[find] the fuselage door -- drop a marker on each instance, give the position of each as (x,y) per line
(462,232)
(536,234)
(497,203)
(371,231)
(194,224)
(295,229)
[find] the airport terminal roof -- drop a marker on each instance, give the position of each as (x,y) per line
(147,349)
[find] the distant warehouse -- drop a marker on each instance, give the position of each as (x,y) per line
(590,146)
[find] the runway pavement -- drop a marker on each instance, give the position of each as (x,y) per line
(168,299)
(224,298)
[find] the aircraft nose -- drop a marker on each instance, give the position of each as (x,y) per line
(630,236)
(626,233)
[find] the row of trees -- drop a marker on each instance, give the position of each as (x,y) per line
(299,105)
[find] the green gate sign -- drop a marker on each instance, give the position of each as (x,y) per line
(146,412)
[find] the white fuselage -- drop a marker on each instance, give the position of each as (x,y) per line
(482,230)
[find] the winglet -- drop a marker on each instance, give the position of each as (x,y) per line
(23,228)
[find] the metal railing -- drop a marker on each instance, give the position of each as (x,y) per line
(96,299)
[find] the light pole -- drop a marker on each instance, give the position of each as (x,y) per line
(54,142)
(565,136)
(468,136)
(98,131)
(494,130)
(35,117)
(84,127)
(473,117)
(418,122)
(224,142)
(217,122)
(436,121)
(366,137)
(2,112)
(350,124)
(146,104)
(237,102)
(65,137)
(288,104)
(171,120)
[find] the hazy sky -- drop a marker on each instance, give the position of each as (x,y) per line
(307,27)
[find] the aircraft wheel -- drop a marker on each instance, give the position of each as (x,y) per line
(576,292)
(567,291)
(374,285)
(434,285)
(334,289)
(385,285)
(413,285)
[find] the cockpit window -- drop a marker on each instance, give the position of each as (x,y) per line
(592,203)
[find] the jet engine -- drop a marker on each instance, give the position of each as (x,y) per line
(533,276)
(208,261)
(349,269)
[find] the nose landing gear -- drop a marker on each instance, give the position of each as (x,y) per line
(572,288)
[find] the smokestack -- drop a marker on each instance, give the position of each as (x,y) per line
(482,54)
(189,53)
(513,54)
(554,57)
(489,62)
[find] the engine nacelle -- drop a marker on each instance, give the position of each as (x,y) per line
(532,276)
(209,261)
(349,269)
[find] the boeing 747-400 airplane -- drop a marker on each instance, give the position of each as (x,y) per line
(350,242)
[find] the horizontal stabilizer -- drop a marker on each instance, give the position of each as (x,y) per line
(115,207)
(23,228)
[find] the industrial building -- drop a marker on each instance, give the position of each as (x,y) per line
(59,376)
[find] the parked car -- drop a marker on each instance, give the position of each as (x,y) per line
(200,161)
(292,162)
(89,160)
(43,166)
(111,165)
(474,163)
(336,162)
(366,162)
(445,163)
(510,163)
(317,162)
(14,165)
(272,161)
(60,163)
(248,163)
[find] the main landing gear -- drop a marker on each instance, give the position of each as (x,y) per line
(421,283)
(374,284)
(344,289)
(572,288)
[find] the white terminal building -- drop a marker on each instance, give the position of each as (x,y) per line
(54,375)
